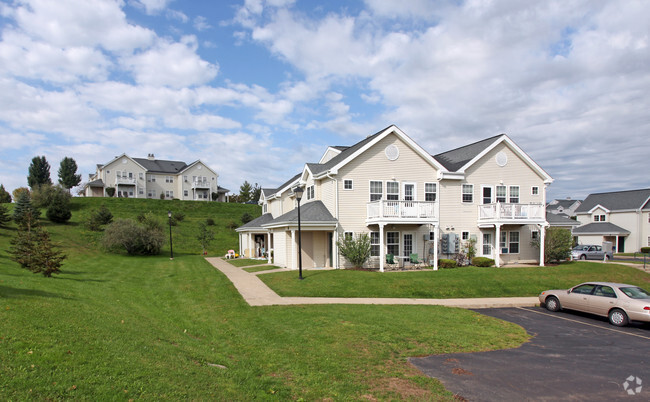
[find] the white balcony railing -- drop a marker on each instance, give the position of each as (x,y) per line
(384,209)
(201,184)
(511,212)
(125,180)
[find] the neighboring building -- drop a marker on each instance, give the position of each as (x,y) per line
(561,221)
(620,217)
(155,178)
(408,201)
(567,207)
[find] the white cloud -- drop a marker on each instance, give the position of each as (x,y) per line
(201,23)
(152,7)
(172,64)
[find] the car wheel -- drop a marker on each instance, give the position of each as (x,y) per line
(618,317)
(583,257)
(552,304)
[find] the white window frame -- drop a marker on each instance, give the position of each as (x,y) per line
(511,197)
(140,190)
(310,192)
(169,194)
(469,193)
(347,182)
(464,236)
(141,176)
(491,200)
(348,235)
(503,198)
(376,196)
(391,245)
(413,196)
(391,195)
(374,244)
(534,190)
(511,242)
(186,193)
(428,192)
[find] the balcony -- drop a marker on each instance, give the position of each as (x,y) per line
(121,181)
(385,211)
(522,214)
(200,184)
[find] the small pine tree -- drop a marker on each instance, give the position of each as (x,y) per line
(24,209)
(4,215)
(47,259)
(33,249)
(5,197)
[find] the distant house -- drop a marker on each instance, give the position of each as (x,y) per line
(567,207)
(155,178)
(561,221)
(621,217)
(407,201)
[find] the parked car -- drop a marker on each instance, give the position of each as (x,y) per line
(590,252)
(619,302)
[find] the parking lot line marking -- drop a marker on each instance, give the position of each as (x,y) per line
(585,323)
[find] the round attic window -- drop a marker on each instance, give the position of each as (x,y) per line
(392,152)
(199,167)
(502,159)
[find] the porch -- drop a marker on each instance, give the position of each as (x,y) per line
(388,211)
(504,214)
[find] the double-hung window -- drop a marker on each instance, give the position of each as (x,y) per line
(310,192)
(501,194)
(392,243)
(429,191)
(374,244)
(514,194)
(376,190)
(392,190)
(468,193)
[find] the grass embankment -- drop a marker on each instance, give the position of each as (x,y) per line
(451,283)
(114,327)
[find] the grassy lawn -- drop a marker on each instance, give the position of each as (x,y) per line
(114,327)
(260,269)
(451,283)
(245,262)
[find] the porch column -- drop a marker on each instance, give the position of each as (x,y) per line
(616,245)
(240,245)
(497,243)
(268,247)
(335,252)
(382,252)
(293,249)
(542,236)
(435,247)
(250,247)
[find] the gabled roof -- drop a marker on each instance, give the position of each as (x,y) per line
(601,228)
(311,213)
(196,162)
(256,224)
(460,159)
(96,183)
(161,166)
(565,203)
(560,220)
(616,201)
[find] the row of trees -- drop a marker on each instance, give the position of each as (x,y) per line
(38,178)
(247,193)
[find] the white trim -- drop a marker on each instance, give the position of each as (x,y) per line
(492,194)
(351,184)
(336,151)
(591,211)
(415,190)
(462,194)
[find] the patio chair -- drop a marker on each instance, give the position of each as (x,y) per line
(415,261)
(391,264)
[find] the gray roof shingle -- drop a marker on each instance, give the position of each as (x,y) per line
(616,200)
(604,228)
(161,166)
(457,158)
(311,212)
(560,220)
(257,223)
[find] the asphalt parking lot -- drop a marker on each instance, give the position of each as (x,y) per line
(572,356)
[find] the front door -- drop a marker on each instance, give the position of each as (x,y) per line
(409,244)
(410,209)
(487,244)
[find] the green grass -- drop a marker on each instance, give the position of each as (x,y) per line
(245,262)
(260,268)
(114,327)
(451,283)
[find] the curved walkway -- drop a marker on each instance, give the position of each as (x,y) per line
(256,293)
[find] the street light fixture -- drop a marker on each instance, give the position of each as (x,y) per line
(171,247)
(298,192)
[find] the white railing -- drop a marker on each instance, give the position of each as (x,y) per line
(200,184)
(514,212)
(125,180)
(401,209)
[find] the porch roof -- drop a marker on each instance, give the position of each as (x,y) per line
(255,224)
(313,213)
(560,220)
(96,183)
(601,228)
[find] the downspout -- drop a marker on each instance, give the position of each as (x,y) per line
(335,253)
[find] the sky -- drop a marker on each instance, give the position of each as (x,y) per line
(257,88)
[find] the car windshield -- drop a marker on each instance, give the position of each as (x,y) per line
(635,293)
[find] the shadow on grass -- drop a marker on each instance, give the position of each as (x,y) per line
(8,292)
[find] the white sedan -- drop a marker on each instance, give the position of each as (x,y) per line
(619,302)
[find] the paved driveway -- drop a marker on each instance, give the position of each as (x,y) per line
(572,356)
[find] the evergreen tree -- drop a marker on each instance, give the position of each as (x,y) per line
(256,193)
(5,197)
(68,176)
(245,192)
(4,215)
(33,249)
(59,209)
(39,172)
(24,210)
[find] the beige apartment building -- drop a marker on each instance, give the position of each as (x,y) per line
(407,201)
(155,178)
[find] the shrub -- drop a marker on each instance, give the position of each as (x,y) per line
(59,209)
(446,263)
(110,191)
(356,250)
(246,217)
(232,224)
(144,238)
(209,222)
(42,195)
(179,216)
(558,243)
(645,250)
(482,262)
(98,218)
(17,192)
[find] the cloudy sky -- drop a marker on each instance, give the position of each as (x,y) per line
(257,88)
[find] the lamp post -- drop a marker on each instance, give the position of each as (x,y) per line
(298,192)
(171,247)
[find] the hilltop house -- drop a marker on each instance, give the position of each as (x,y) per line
(408,201)
(621,217)
(155,178)
(565,207)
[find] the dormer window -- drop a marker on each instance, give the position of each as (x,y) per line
(599,218)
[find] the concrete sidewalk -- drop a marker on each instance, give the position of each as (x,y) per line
(256,293)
